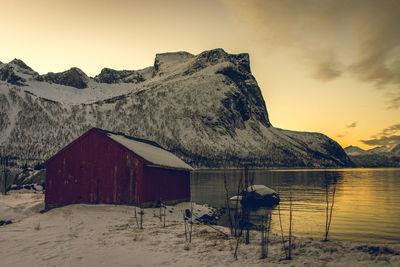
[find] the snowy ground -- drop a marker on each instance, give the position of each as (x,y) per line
(107,235)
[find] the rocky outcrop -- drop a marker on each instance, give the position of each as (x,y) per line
(8,75)
(73,77)
(15,72)
(21,66)
(117,76)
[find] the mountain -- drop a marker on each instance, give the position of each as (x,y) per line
(73,77)
(354,150)
(8,72)
(117,76)
(206,108)
(382,156)
(393,150)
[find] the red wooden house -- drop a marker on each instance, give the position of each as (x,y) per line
(107,167)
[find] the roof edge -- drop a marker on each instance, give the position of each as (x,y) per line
(150,142)
(168,167)
(106,132)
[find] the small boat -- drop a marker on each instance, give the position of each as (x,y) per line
(257,196)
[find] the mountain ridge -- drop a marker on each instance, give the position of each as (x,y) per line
(382,156)
(355,150)
(206,108)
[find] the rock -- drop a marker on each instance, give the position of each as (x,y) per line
(8,74)
(73,77)
(21,66)
(2,222)
(117,76)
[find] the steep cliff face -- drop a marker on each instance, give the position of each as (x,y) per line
(206,108)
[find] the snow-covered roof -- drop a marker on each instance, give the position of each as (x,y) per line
(150,151)
(261,189)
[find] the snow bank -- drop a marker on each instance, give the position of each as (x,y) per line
(107,235)
(17,205)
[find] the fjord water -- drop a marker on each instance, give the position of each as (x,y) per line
(366,205)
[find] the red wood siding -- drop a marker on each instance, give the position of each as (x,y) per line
(165,184)
(94,169)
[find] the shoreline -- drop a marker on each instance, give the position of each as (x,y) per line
(292,169)
(107,235)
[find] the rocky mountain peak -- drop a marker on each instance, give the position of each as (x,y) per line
(15,72)
(117,76)
(74,77)
(20,65)
(218,56)
(214,56)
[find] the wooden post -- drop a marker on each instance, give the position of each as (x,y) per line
(191,222)
(269,221)
(160,210)
(263,254)
(165,214)
(137,222)
(141,217)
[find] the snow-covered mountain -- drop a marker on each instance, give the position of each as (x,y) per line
(382,156)
(206,108)
(394,150)
(354,150)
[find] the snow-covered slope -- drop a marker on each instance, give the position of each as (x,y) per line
(206,108)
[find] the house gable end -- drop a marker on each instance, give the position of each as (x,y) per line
(66,148)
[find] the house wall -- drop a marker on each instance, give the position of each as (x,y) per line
(167,185)
(93,169)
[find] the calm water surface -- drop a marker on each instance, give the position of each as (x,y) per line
(366,207)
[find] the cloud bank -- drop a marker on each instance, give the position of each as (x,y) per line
(359,37)
(386,137)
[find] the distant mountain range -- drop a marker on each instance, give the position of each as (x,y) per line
(383,156)
(206,108)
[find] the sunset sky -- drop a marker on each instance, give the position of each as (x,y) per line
(330,66)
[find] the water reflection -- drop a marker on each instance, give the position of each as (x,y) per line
(367,201)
